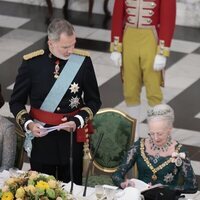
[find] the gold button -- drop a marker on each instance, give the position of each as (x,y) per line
(152,4)
(150,12)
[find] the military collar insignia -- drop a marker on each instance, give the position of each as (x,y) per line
(50,55)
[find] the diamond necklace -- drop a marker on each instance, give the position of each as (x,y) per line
(163,148)
(159,149)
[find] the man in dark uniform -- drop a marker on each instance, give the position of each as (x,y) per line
(58,96)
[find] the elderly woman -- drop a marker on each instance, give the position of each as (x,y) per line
(7,141)
(159,158)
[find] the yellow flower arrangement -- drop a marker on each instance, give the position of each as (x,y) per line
(33,186)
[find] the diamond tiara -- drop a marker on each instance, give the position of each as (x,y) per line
(152,112)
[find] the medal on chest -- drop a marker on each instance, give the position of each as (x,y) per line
(57,69)
(178,162)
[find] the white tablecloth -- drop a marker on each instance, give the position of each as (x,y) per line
(78,191)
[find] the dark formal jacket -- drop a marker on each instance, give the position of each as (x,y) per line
(34,80)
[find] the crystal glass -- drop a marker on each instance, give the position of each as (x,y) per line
(99,191)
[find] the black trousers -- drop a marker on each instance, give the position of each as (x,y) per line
(61,172)
(51,155)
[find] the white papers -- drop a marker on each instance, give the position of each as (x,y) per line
(140,185)
(46,130)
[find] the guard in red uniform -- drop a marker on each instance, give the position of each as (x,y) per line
(142,31)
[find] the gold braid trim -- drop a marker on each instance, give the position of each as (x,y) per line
(81,52)
(116,45)
(89,111)
(19,116)
(146,160)
(162,49)
(33,54)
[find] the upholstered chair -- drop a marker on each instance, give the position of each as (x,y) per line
(118,133)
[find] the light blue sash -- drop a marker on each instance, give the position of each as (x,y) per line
(63,82)
(57,92)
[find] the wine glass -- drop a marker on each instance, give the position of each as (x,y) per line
(99,191)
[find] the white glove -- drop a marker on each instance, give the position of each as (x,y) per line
(159,62)
(116,57)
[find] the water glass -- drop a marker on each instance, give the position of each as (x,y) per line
(99,191)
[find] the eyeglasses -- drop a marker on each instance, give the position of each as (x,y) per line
(159,134)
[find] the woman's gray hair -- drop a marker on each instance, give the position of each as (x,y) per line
(161,112)
(59,26)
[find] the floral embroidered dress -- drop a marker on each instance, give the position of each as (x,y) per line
(174,171)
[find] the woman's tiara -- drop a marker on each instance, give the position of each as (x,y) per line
(152,112)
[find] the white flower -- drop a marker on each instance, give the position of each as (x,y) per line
(181,155)
(177,158)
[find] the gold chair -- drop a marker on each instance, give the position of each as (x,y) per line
(119,133)
(20,149)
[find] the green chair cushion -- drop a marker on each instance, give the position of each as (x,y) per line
(117,136)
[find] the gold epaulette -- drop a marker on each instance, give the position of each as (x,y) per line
(33,54)
(81,52)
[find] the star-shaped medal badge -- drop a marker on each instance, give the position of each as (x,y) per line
(74,87)
(74,101)
(168,178)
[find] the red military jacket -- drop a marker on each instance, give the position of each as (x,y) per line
(159,15)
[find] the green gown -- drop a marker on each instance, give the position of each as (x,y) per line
(177,173)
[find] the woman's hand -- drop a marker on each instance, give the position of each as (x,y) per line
(127,183)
